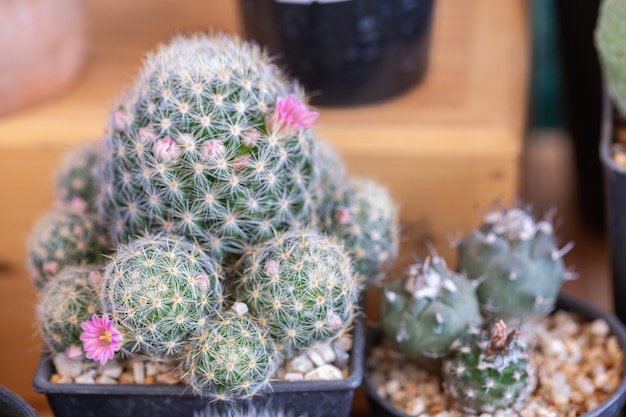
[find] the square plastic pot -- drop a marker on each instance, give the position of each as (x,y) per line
(313,398)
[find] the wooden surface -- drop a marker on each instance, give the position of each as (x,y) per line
(443,149)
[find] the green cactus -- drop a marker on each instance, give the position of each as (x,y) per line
(332,175)
(64,303)
(214,144)
(230,356)
(489,371)
(76,181)
(159,291)
(516,262)
(426,311)
(364,217)
(301,285)
(610,39)
(62,237)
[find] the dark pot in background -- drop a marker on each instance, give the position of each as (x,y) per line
(313,398)
(12,405)
(612,407)
(345,52)
(615,191)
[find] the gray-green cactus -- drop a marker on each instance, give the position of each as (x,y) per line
(301,285)
(426,311)
(332,175)
(213,143)
(516,262)
(76,181)
(610,39)
(159,291)
(63,237)
(230,356)
(489,370)
(364,217)
(64,303)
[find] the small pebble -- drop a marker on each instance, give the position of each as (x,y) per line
(85,379)
(293,376)
(324,373)
(300,364)
(67,367)
(138,372)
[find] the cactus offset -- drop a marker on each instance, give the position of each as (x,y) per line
(230,356)
(213,144)
(159,291)
(610,39)
(489,370)
(64,303)
(364,217)
(76,181)
(516,262)
(301,285)
(424,313)
(61,238)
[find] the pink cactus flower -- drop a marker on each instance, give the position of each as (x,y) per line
(94,279)
(334,322)
(271,267)
(74,352)
(51,268)
(166,150)
(79,205)
(213,148)
(120,120)
(250,137)
(202,281)
(343,216)
(291,115)
(146,135)
(100,339)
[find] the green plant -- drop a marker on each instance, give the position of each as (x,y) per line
(62,237)
(516,262)
(230,356)
(365,219)
(489,370)
(64,303)
(426,311)
(212,143)
(159,291)
(610,38)
(301,285)
(76,181)
(332,175)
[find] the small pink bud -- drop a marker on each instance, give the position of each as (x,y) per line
(250,137)
(74,352)
(334,322)
(146,135)
(290,115)
(94,279)
(271,267)
(213,148)
(166,150)
(120,120)
(202,281)
(241,162)
(51,268)
(342,216)
(79,205)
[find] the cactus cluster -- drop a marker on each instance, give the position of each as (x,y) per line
(610,39)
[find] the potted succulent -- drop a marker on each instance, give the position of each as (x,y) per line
(610,43)
(208,248)
(479,340)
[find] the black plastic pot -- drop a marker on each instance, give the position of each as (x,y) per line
(313,398)
(12,405)
(615,191)
(345,52)
(612,407)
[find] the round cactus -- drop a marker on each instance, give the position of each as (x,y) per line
(426,311)
(159,291)
(64,303)
(365,219)
(332,175)
(61,238)
(511,254)
(300,285)
(213,144)
(489,371)
(230,356)
(610,38)
(76,181)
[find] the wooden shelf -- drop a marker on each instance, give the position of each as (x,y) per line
(443,148)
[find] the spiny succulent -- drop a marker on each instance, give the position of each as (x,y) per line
(230,357)
(64,303)
(76,181)
(610,39)
(516,262)
(426,311)
(301,285)
(64,237)
(212,143)
(331,174)
(248,410)
(364,217)
(489,370)
(160,290)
